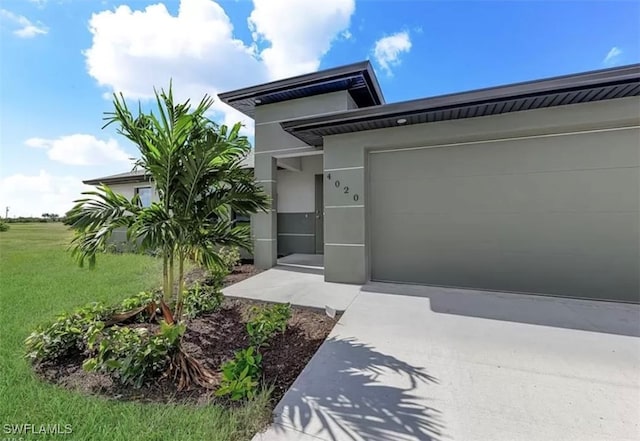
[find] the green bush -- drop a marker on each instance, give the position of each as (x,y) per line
(139,300)
(230,257)
(240,376)
(133,355)
(266,321)
(201,299)
(121,248)
(25,220)
(216,278)
(67,332)
(143,298)
(4,226)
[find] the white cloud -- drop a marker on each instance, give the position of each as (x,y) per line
(613,57)
(32,195)
(134,50)
(346,34)
(80,149)
(300,32)
(387,50)
(26,29)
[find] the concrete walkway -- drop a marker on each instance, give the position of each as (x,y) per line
(423,363)
(310,261)
(298,286)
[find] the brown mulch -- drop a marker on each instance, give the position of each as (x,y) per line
(239,273)
(212,339)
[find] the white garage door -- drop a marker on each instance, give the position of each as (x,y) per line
(553,215)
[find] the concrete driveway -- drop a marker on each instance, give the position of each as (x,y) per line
(424,363)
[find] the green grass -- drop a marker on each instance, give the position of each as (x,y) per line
(38,280)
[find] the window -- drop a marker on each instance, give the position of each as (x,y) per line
(239,219)
(144,193)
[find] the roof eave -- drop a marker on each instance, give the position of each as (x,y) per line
(374,82)
(120,180)
(482,96)
(243,99)
(297,81)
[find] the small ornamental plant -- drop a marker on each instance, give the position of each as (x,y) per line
(240,376)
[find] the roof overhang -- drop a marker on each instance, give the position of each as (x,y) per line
(140,175)
(358,79)
(598,85)
(135,176)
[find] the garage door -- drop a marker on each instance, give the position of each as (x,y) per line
(552,215)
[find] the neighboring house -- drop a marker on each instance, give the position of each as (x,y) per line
(129,184)
(532,187)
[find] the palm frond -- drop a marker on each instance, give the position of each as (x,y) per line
(95,218)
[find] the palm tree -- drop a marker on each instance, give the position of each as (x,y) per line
(195,165)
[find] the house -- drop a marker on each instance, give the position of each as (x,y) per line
(531,187)
(137,182)
(129,184)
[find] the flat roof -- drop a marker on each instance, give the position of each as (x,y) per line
(618,82)
(120,178)
(140,176)
(357,78)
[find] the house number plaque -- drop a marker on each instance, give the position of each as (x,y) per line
(344,189)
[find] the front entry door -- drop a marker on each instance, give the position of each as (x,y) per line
(319,214)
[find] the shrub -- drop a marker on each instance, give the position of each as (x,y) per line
(201,299)
(140,300)
(216,278)
(266,321)
(133,355)
(24,220)
(4,226)
(67,332)
(240,376)
(121,248)
(230,257)
(143,298)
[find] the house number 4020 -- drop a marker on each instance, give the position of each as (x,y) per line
(345,189)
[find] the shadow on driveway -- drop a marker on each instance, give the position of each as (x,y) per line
(585,315)
(353,392)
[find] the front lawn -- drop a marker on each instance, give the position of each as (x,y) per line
(38,280)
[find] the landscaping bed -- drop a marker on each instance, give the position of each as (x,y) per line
(212,339)
(239,273)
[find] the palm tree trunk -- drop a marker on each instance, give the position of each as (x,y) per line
(181,258)
(166,290)
(171,272)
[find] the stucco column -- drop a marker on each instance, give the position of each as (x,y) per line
(264,225)
(344,214)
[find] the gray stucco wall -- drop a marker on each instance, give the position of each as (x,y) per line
(129,190)
(296,217)
(119,236)
(272,142)
(347,250)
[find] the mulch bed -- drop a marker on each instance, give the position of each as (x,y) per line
(239,273)
(212,339)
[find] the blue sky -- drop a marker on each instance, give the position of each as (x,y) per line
(61,59)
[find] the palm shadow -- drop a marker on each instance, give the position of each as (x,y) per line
(340,396)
